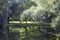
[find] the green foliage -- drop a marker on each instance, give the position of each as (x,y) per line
(33,10)
(55,22)
(20,7)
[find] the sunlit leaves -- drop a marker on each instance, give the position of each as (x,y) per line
(51,1)
(56,22)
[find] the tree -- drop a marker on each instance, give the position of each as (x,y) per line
(18,8)
(51,6)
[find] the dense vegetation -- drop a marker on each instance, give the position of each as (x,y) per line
(30,13)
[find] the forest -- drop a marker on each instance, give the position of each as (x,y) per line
(29,19)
